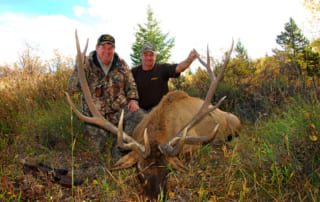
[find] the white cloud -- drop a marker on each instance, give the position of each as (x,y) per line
(194,24)
(79,10)
(45,33)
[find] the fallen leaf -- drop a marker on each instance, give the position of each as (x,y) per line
(171,194)
(225,151)
(313,138)
(213,198)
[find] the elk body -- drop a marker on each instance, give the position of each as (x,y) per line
(174,111)
(177,125)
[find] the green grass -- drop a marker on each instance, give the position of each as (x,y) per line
(279,158)
(51,125)
(275,159)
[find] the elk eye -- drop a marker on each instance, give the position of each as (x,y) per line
(141,177)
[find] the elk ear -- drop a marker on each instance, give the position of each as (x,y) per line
(126,161)
(176,163)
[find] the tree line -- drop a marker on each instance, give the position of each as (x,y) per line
(253,87)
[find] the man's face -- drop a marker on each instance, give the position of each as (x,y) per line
(148,59)
(105,52)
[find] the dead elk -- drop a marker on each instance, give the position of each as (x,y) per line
(179,124)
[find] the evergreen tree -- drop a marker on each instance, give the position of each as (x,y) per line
(151,32)
(312,66)
(292,39)
(312,60)
(294,43)
(240,68)
(241,51)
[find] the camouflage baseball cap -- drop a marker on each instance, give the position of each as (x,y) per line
(148,47)
(106,39)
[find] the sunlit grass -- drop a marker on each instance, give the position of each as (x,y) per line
(275,159)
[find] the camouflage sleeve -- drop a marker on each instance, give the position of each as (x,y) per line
(73,83)
(130,85)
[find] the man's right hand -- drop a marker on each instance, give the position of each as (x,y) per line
(133,106)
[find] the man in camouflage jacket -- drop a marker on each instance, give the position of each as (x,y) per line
(111,85)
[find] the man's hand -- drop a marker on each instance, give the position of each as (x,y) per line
(187,62)
(192,56)
(133,106)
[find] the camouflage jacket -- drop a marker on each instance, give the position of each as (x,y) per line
(110,93)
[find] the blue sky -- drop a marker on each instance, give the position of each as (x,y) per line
(48,25)
(41,7)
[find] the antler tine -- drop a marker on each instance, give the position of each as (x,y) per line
(147,149)
(198,139)
(206,106)
(174,147)
(80,61)
(167,149)
(96,118)
(201,61)
(210,71)
(195,120)
(206,65)
(133,145)
(214,83)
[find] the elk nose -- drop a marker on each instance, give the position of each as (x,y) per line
(229,138)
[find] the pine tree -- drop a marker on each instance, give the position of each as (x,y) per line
(240,66)
(292,39)
(294,43)
(151,32)
(241,51)
(312,61)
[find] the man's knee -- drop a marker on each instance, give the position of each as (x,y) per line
(92,130)
(132,119)
(96,136)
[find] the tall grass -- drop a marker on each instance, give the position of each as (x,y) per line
(275,159)
(34,105)
(21,92)
(34,122)
(280,157)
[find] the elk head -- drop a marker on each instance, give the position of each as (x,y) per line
(151,153)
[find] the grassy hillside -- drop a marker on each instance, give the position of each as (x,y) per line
(276,157)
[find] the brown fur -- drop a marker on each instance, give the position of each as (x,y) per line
(174,111)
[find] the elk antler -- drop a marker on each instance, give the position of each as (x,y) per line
(203,111)
(207,65)
(144,150)
(97,118)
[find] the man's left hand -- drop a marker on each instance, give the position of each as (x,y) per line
(133,106)
(192,55)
